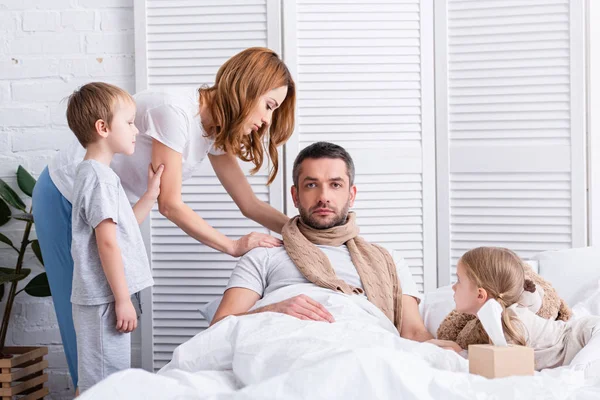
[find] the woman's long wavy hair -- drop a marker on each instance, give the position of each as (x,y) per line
(501,273)
(239,84)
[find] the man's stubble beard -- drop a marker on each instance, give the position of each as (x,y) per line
(308,219)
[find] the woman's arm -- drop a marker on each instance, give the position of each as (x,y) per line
(234,181)
(171,205)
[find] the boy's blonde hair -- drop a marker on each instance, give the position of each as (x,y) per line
(88,104)
(501,273)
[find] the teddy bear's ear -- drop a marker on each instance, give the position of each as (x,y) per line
(533,300)
(553,307)
(564,312)
(529,285)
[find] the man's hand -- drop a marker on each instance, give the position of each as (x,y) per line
(302,307)
(413,327)
(446,344)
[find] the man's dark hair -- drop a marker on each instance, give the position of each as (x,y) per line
(323,150)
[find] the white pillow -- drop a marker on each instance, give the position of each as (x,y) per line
(570,271)
(436,306)
(534,265)
(209,309)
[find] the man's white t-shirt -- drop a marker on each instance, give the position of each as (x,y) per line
(264,270)
(168,115)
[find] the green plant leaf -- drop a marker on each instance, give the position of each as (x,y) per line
(38,286)
(9,274)
(25,180)
(4,212)
(10,196)
(24,217)
(7,278)
(6,240)
(24,271)
(35,246)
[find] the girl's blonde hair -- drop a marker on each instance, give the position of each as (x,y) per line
(501,273)
(238,86)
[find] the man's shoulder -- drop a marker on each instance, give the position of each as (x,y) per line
(264,253)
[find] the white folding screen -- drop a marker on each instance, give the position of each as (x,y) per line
(510,126)
(364,72)
(185,43)
(492,154)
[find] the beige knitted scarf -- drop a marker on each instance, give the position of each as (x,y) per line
(375,265)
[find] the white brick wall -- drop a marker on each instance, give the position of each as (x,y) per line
(47,49)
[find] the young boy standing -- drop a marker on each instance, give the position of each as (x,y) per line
(110,262)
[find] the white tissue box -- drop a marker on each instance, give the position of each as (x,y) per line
(500,361)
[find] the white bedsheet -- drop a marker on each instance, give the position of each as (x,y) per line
(360,356)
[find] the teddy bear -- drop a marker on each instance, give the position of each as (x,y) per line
(540,296)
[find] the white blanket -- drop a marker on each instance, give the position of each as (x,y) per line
(360,356)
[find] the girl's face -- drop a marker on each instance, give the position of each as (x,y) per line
(467,296)
(263,113)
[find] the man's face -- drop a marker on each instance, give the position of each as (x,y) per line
(324,195)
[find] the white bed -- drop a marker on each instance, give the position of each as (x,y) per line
(274,356)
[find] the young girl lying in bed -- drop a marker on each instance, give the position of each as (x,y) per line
(497,273)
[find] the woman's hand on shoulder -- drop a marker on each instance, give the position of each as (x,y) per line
(252,240)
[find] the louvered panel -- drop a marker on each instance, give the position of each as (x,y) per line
(514,127)
(188,274)
(488,114)
(187,41)
(360,68)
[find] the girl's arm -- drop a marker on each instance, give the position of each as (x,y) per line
(234,181)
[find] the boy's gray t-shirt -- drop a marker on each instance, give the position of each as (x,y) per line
(98,195)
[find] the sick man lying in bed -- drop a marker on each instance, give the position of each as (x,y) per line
(322,248)
(293,351)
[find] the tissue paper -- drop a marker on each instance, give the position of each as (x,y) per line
(490,316)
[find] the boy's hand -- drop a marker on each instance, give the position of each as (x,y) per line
(126,316)
(154,181)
